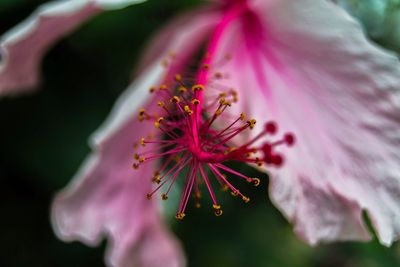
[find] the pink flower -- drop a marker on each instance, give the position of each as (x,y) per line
(306,65)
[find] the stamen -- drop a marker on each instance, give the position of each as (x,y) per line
(175,99)
(251,123)
(195,101)
(217,210)
(178,78)
(197,87)
(193,147)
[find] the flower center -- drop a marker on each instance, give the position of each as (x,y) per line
(217,135)
(196,137)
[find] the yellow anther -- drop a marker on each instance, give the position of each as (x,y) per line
(218,111)
(157,123)
(251,123)
(223,101)
(180,215)
(175,99)
(235,193)
(225,188)
(160,104)
(197,194)
(218,212)
(142,111)
(142,142)
(258,161)
(256,181)
(136,156)
(156,179)
(246,199)
(195,101)
(148,196)
(216,206)
(197,205)
(163,87)
(142,159)
(182,89)
(223,94)
(197,87)
(178,77)
(234,96)
(135,166)
(242,116)
(188,110)
(164,196)
(152,89)
(141,118)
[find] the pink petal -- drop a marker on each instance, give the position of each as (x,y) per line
(307,65)
(107,198)
(156,46)
(23,47)
(181,38)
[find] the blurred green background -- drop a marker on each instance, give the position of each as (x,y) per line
(43,139)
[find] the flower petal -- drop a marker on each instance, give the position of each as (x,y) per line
(107,197)
(184,36)
(307,65)
(197,17)
(22,48)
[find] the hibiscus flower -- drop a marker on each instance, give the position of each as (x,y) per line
(305,64)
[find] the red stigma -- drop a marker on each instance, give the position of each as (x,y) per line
(289,139)
(271,127)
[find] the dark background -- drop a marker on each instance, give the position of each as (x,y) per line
(43,139)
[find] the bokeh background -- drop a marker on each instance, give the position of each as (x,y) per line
(43,140)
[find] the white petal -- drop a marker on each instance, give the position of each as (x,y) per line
(23,47)
(108,199)
(307,65)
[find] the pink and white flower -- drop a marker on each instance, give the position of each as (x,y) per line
(305,64)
